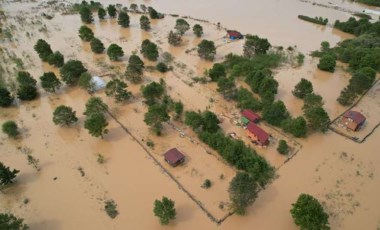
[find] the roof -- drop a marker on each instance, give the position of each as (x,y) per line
(173,156)
(357,117)
(244,120)
(234,33)
(250,115)
(261,135)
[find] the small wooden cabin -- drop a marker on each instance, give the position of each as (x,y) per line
(174,157)
(353,120)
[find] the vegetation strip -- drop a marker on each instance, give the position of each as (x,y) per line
(316,20)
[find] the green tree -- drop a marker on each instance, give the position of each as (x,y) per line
(207,50)
(64,116)
(198,30)
(49,82)
(24,78)
(327,63)
(217,71)
(6,98)
(243,192)
(317,118)
(362,79)
(134,7)
(268,84)
(135,69)
(27,92)
(115,52)
(111,11)
(162,67)
(43,49)
(312,100)
(10,222)
(227,87)
(303,88)
(86,14)
(144,23)
(86,33)
(101,13)
(308,213)
(97,46)
(255,45)
(181,26)
(246,100)
(155,116)
(56,59)
(174,39)
(153,92)
(178,109)
(10,128)
(7,175)
(96,124)
(95,105)
(123,19)
(164,210)
(143,8)
(118,89)
(86,83)
(210,122)
(149,50)
(346,97)
(153,14)
(274,114)
(71,71)
(283,147)
(297,126)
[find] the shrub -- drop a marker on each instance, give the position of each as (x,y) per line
(56,59)
(162,67)
(206,184)
(86,33)
(115,52)
(64,116)
(283,147)
(327,63)
(10,128)
(110,208)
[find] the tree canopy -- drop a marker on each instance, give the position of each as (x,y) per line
(49,82)
(86,83)
(207,50)
(6,99)
(198,30)
(86,14)
(226,86)
(101,13)
(123,19)
(317,118)
(86,33)
(7,175)
(97,46)
(275,113)
(10,222)
(149,50)
(111,11)
(174,39)
(115,52)
(43,49)
(56,59)
(283,147)
(118,89)
(243,192)
(255,45)
(71,71)
(95,105)
(303,88)
(96,124)
(181,26)
(153,92)
(156,114)
(217,71)
(327,63)
(144,23)
(10,128)
(64,116)
(164,210)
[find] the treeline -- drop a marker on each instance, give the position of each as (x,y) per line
(370,2)
(316,20)
(358,27)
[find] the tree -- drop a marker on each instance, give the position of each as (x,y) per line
(71,71)
(152,92)
(243,192)
(118,89)
(153,14)
(56,59)
(6,98)
(123,19)
(10,222)
(297,127)
(207,50)
(96,124)
(64,116)
(274,114)
(308,213)
(362,79)
(155,116)
(312,100)
(217,71)
(226,86)
(149,50)
(86,14)
(135,69)
(43,49)
(49,82)
(10,128)
(255,78)
(164,210)
(27,92)
(255,45)
(97,46)
(303,88)
(178,109)
(210,122)
(283,147)
(327,63)
(181,26)
(143,8)
(134,7)
(7,175)
(24,78)
(317,118)
(101,13)
(198,30)
(144,23)
(162,67)
(86,33)
(86,83)
(95,105)
(193,119)
(268,84)
(174,39)
(111,11)
(115,52)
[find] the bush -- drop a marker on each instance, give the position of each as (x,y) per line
(97,46)
(27,92)
(6,98)
(43,49)
(207,50)
(10,128)
(162,67)
(283,147)
(206,184)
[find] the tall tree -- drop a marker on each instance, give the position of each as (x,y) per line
(243,192)
(49,82)
(134,69)
(123,19)
(10,128)
(156,114)
(164,210)
(181,26)
(207,50)
(115,52)
(153,92)
(71,71)
(149,50)
(64,116)
(308,213)
(303,88)
(6,98)
(327,63)
(10,222)
(118,89)
(43,49)
(86,14)
(7,175)
(198,30)
(111,11)
(144,23)
(85,33)
(97,46)
(274,114)
(255,45)
(96,124)
(101,13)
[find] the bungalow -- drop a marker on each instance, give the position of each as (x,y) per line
(174,157)
(234,35)
(249,115)
(257,134)
(353,120)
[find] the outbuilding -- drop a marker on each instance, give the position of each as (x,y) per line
(234,35)
(174,157)
(353,120)
(248,115)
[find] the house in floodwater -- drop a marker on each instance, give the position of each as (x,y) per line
(248,115)
(234,35)
(353,120)
(257,135)
(174,157)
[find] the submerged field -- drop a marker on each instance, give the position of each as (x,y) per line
(70,189)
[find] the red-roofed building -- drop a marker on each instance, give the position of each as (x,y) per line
(233,34)
(257,134)
(251,116)
(174,157)
(353,120)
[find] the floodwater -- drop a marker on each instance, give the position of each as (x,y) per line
(342,174)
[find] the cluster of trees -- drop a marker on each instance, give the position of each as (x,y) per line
(96,122)
(27,89)
(255,45)
(10,128)
(149,50)
(206,50)
(358,27)
(11,222)
(71,72)
(316,20)
(47,55)
(7,175)
(181,27)
(6,99)
(87,35)
(370,2)
(164,209)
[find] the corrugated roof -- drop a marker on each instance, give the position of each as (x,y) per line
(173,156)
(357,117)
(250,115)
(261,135)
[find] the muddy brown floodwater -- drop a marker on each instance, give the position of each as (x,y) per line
(70,189)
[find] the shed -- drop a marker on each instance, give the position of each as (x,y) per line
(233,34)
(174,157)
(257,134)
(250,115)
(98,83)
(353,120)
(244,121)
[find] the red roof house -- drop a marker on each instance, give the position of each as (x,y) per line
(174,157)
(257,134)
(250,115)
(353,120)
(233,34)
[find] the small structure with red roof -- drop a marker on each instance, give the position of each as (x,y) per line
(353,120)
(174,157)
(249,115)
(257,134)
(234,35)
